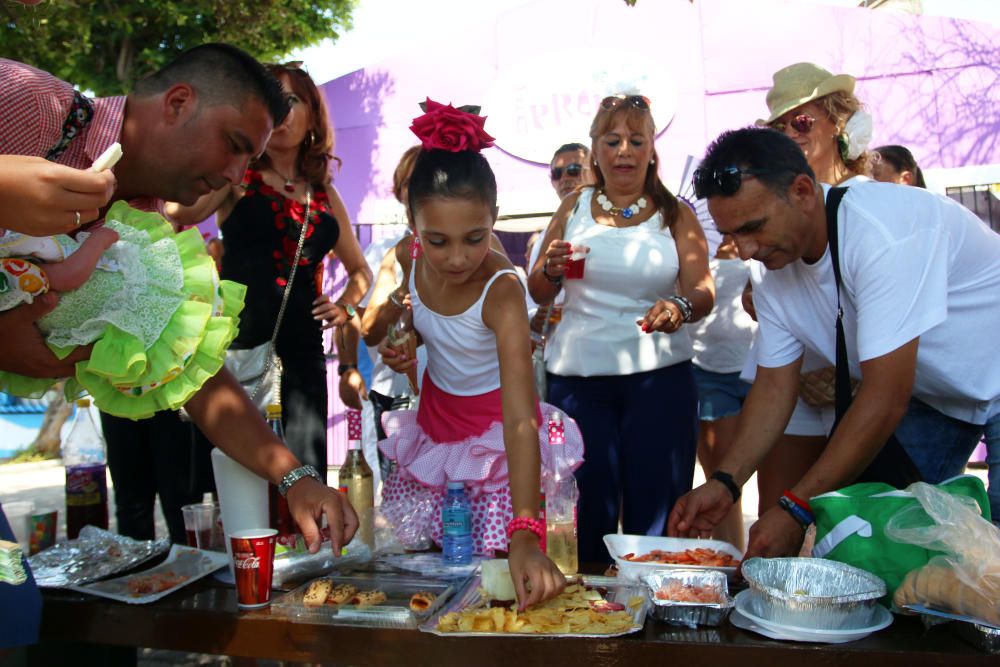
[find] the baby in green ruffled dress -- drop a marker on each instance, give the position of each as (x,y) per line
(149,300)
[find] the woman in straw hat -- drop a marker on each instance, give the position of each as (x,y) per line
(820,112)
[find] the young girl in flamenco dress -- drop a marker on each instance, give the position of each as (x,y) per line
(478,421)
(149,300)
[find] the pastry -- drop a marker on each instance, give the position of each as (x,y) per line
(422,601)
(341,593)
(368,598)
(315,595)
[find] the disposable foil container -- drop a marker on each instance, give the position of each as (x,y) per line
(812,593)
(984,637)
(690,614)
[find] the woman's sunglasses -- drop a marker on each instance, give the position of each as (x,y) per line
(725,180)
(801,123)
(572,170)
(614,101)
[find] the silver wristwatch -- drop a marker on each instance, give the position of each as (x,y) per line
(296,475)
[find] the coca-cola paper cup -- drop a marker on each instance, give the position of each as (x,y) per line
(253,562)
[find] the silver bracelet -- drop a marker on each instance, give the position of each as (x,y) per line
(687,310)
(297,474)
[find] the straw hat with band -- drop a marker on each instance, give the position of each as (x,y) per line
(800,83)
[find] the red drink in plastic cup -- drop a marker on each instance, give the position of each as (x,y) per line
(253,562)
(575,264)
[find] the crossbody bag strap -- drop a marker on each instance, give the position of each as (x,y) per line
(843,375)
(284,301)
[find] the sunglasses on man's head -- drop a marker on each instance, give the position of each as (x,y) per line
(572,170)
(613,101)
(725,180)
(801,123)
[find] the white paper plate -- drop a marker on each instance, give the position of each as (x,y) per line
(743,617)
(620,545)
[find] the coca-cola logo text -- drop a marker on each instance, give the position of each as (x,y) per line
(246,562)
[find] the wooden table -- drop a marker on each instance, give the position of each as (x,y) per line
(203,618)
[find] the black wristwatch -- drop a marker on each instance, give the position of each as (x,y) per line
(728,481)
(343,368)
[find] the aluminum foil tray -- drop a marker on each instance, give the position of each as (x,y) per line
(394,612)
(690,614)
(812,593)
(94,555)
(984,637)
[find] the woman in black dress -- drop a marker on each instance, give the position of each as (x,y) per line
(261,220)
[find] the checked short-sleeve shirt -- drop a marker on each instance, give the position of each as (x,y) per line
(34,106)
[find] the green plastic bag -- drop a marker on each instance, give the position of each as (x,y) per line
(850,526)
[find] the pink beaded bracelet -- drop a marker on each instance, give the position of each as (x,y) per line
(536,526)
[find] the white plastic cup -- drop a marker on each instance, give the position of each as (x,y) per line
(242,498)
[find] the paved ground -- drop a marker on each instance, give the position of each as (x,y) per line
(43,483)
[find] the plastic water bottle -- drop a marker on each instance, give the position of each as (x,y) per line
(561,497)
(86,473)
(456,521)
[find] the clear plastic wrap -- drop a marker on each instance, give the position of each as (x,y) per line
(965,580)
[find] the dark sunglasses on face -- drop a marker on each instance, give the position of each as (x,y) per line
(613,101)
(725,181)
(572,170)
(801,123)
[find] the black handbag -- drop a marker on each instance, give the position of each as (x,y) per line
(892,465)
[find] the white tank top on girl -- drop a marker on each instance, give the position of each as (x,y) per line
(461,349)
(627,270)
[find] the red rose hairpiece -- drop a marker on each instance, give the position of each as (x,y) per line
(446,128)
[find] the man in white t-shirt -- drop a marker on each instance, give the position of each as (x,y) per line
(920,279)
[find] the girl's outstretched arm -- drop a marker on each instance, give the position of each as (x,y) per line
(536,578)
(385,305)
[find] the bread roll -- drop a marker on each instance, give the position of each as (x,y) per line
(938,587)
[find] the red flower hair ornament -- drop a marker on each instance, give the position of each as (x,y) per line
(443,127)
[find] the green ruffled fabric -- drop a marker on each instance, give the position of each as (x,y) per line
(127,377)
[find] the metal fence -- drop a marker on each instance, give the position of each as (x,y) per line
(983,200)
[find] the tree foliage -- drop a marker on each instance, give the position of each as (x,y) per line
(106,45)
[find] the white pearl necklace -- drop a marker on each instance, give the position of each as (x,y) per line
(627,212)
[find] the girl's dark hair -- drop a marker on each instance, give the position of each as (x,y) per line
(636,117)
(316,150)
(902,160)
(461,175)
(401,176)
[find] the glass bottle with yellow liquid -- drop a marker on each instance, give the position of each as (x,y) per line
(356,481)
(561,496)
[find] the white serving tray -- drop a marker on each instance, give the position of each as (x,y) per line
(620,545)
(191,563)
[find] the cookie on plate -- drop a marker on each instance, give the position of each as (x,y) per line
(316,593)
(368,598)
(341,593)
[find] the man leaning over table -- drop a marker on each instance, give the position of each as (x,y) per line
(920,281)
(186,130)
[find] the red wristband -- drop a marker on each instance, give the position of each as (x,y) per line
(536,526)
(798,501)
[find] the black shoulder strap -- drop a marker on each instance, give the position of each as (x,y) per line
(843,375)
(891,465)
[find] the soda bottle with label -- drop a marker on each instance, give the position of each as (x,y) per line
(456,524)
(561,496)
(357,482)
(278,512)
(86,473)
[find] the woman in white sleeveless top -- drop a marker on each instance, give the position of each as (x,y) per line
(620,361)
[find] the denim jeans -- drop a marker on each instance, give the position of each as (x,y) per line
(991,434)
(939,446)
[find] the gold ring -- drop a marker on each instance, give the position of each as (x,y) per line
(77,213)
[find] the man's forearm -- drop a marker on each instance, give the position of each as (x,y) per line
(228,418)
